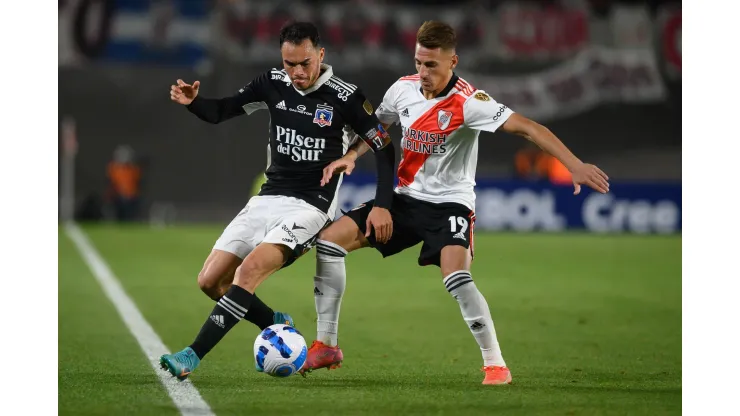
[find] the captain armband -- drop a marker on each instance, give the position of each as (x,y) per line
(377,138)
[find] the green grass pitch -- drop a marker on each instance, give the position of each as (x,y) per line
(589,325)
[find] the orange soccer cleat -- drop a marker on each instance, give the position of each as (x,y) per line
(496,375)
(321,355)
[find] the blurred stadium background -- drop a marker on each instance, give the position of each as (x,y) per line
(603,75)
(590,321)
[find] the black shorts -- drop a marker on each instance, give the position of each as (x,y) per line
(414,221)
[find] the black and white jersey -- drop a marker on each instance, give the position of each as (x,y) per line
(308,130)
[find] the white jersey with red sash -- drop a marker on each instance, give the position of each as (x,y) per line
(440,137)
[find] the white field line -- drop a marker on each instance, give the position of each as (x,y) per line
(186,397)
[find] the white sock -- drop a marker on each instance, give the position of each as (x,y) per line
(329,283)
(477,316)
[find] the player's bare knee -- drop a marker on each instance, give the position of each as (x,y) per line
(450,267)
(208,283)
(344,233)
(453,259)
(217,273)
(330,233)
(446,271)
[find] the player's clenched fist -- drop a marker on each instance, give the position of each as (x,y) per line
(183,93)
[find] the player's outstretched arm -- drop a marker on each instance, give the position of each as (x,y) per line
(582,173)
(210,110)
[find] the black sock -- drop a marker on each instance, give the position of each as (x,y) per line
(260,314)
(229,310)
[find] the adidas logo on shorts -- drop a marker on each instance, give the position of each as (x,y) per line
(459,235)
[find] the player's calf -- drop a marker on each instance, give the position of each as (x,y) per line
(231,308)
(216,278)
(476,314)
(332,246)
(475,311)
(329,283)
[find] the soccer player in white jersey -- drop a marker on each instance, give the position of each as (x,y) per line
(441,116)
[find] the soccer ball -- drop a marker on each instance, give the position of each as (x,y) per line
(280,350)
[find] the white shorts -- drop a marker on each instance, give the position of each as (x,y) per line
(273,219)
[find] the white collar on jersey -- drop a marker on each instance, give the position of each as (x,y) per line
(327,73)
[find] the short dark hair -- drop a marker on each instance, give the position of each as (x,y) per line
(435,34)
(297,32)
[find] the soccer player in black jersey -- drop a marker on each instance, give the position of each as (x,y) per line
(311,112)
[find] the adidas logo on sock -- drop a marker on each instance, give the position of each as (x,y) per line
(317,292)
(218,320)
(459,235)
(405,112)
(280,105)
(476,325)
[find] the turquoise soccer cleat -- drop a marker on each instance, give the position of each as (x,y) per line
(278,318)
(282,318)
(180,364)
